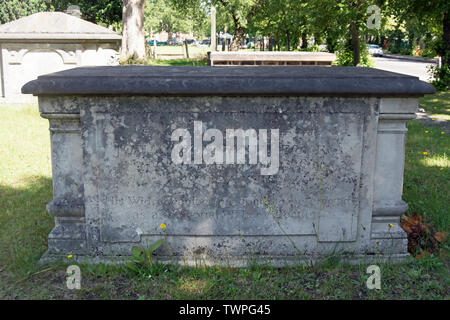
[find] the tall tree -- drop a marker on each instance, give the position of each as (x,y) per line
(434,13)
(282,20)
(347,17)
(240,13)
(133,37)
(162,15)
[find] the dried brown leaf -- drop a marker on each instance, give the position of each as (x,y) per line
(439,236)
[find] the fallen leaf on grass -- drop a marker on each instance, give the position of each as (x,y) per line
(423,240)
(439,236)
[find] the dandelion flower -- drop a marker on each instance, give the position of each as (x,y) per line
(442,132)
(390,225)
(162,226)
(432,119)
(425,153)
(426,131)
(441,169)
(70,255)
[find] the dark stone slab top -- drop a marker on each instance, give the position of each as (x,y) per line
(261,80)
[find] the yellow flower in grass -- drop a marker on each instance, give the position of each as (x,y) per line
(162,226)
(70,255)
(426,131)
(390,225)
(441,169)
(424,153)
(442,132)
(432,119)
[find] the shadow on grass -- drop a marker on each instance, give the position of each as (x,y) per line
(436,103)
(427,175)
(24,224)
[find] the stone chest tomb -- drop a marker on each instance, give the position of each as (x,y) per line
(245,164)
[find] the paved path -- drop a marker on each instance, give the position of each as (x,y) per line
(417,69)
(412,68)
(426,119)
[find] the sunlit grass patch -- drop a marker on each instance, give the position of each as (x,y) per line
(438,103)
(427,174)
(177,62)
(436,160)
(24,145)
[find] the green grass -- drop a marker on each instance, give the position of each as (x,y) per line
(177,62)
(427,177)
(438,104)
(194,51)
(25,188)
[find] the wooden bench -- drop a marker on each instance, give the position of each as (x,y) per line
(274,58)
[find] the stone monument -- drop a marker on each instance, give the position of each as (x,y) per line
(269,164)
(47,42)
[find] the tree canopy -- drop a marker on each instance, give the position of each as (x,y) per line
(402,26)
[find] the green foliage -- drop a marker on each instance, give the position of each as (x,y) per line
(424,20)
(282,20)
(441,77)
(169,16)
(345,55)
(104,12)
(142,257)
(14,9)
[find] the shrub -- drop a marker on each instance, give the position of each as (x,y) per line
(440,77)
(345,55)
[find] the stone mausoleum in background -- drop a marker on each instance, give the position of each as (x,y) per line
(47,42)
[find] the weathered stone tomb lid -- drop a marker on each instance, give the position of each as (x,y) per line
(54,26)
(143,80)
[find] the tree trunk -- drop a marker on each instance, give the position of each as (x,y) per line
(237,39)
(317,39)
(133,39)
(213,29)
(355,43)
(304,41)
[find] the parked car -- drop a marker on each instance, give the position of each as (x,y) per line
(204,43)
(375,50)
(158,43)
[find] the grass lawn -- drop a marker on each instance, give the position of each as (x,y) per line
(194,51)
(177,62)
(438,105)
(25,188)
